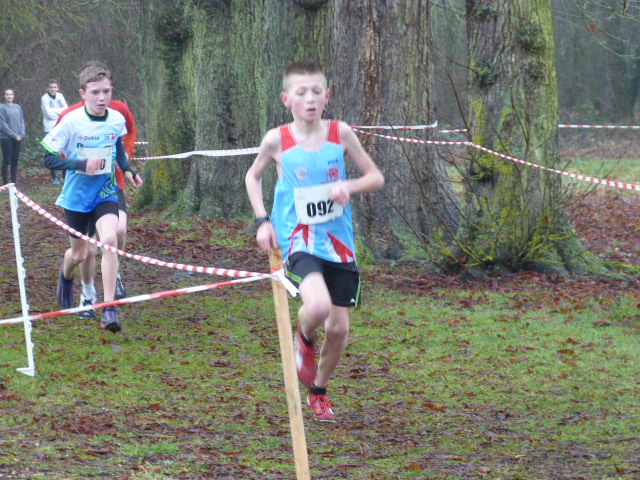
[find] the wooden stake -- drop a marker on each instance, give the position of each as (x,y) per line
(296,422)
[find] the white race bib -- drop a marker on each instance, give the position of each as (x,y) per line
(106,154)
(314,205)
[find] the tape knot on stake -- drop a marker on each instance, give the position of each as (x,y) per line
(282,278)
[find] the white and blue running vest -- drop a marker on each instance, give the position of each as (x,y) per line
(76,130)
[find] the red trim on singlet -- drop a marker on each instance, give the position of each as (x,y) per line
(334,132)
(287,140)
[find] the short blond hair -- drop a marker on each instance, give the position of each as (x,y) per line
(301,67)
(93,71)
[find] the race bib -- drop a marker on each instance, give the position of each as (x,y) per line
(314,205)
(106,154)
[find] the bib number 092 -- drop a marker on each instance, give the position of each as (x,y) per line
(320,208)
(314,205)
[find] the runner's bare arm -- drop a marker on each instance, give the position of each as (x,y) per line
(268,154)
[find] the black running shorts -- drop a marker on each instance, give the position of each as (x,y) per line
(85,222)
(122,201)
(342,279)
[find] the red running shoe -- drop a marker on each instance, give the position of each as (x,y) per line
(321,408)
(305,359)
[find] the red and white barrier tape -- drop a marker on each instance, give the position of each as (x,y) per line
(610,183)
(207,153)
(138,298)
(141,143)
(412,140)
(396,127)
(455,130)
(254,150)
(628,127)
(613,127)
(434,125)
(408,127)
(178,266)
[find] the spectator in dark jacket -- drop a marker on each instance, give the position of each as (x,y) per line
(12,131)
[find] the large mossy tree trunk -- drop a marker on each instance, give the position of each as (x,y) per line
(513,214)
(240,50)
(165,41)
(382,77)
(228,59)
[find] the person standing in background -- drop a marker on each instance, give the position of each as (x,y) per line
(12,132)
(52,104)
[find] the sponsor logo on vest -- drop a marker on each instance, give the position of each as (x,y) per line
(333,174)
(301,175)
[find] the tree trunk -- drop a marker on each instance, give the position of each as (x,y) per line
(513,214)
(381,75)
(241,49)
(165,44)
(233,55)
(228,60)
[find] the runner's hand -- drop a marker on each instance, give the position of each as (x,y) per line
(133,180)
(340,193)
(93,165)
(266,236)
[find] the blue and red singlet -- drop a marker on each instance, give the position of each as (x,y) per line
(304,217)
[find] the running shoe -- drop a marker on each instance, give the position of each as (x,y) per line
(65,291)
(120,291)
(110,320)
(305,359)
(56,181)
(85,302)
(321,408)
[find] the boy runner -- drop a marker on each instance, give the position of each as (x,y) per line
(87,143)
(311,221)
(88,266)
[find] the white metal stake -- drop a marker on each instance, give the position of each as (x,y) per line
(31,369)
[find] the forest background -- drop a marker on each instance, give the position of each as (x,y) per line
(516,376)
(188,70)
(598,64)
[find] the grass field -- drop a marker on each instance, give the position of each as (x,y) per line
(528,378)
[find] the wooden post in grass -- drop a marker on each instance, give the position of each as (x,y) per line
(281,301)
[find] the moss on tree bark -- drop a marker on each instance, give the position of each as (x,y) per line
(513,214)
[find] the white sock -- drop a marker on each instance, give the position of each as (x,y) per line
(89,290)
